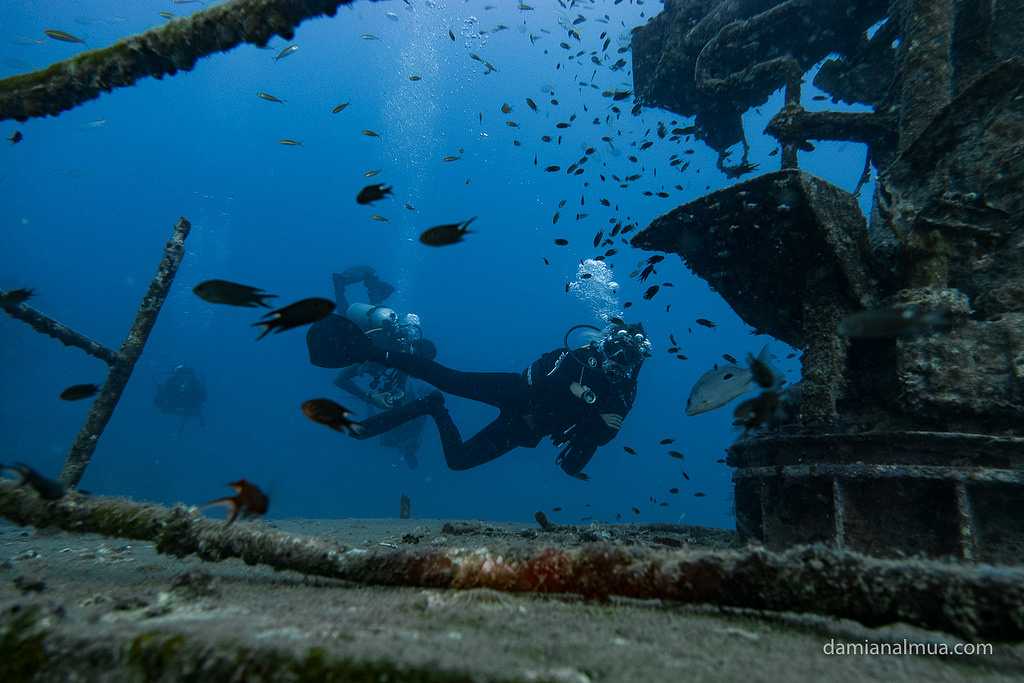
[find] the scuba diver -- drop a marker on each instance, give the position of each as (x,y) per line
(386,387)
(182,393)
(577,396)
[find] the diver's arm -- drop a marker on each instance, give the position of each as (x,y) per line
(598,427)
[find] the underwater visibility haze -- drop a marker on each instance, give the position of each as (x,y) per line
(454,105)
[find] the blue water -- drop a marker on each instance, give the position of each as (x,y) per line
(90,197)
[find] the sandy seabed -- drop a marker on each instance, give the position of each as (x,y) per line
(83,607)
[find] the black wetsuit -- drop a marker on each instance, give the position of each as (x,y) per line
(533,404)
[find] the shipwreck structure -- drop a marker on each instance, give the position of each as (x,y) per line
(902,446)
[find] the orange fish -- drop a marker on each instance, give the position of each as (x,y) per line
(248,501)
(330,414)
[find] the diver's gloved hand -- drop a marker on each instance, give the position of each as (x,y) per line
(574,457)
(612,420)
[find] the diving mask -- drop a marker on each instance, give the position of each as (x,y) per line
(625,349)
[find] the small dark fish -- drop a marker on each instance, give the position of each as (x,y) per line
(554,219)
(46,488)
(531,104)
(631,451)
(269,98)
(646,273)
(77,392)
(410,207)
(667,441)
(415,78)
(15,297)
(699,494)
(371,134)
(248,501)
(450,158)
(705,323)
(636,511)
(730,359)
(673,490)
(16,137)
(232,294)
(686,476)
(380,219)
(672,338)
(556,509)
(451,35)
(904,321)
(372,193)
(628,304)
(506,108)
(288,142)
(62,36)
(553,169)
(295,315)
(290,50)
(371,173)
(582,476)
(651,291)
(598,237)
(339,108)
(561,241)
(443,235)
(330,414)
(647,145)
(546,262)
(676,454)
(679,355)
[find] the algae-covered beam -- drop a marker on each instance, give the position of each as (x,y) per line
(175,46)
(59,331)
(120,371)
(795,125)
(967,600)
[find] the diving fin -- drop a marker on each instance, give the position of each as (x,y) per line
(377,290)
(337,342)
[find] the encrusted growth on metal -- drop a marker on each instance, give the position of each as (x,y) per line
(961,599)
(164,51)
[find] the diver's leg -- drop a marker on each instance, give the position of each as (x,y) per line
(493,388)
(396,417)
(377,291)
(490,443)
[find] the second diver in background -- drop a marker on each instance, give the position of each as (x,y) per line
(386,387)
(182,393)
(578,397)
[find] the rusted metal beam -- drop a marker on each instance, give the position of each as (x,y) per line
(970,601)
(103,407)
(175,46)
(61,332)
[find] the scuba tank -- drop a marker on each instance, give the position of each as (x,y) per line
(369,317)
